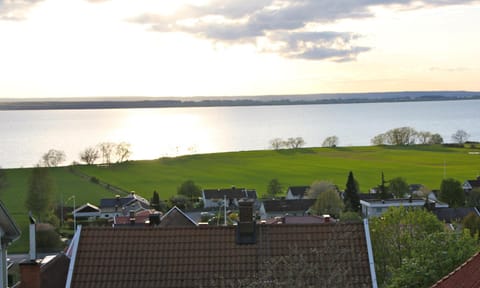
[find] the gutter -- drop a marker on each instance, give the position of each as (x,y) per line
(74,255)
(370,253)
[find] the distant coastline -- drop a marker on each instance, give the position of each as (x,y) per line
(309,99)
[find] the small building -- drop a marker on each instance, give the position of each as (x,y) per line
(111,207)
(87,211)
(216,197)
(297,192)
(453,215)
(173,218)
(375,208)
(279,208)
(9,233)
(469,185)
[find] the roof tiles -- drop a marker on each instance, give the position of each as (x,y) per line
(210,257)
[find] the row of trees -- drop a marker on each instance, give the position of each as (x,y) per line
(409,136)
(406,136)
(290,143)
(109,152)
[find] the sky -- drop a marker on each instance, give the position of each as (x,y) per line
(101,48)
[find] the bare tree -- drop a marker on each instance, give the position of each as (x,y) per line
(379,139)
(123,151)
(435,139)
(460,137)
(294,143)
(319,187)
(423,137)
(53,158)
(331,141)
(106,149)
(89,155)
(276,143)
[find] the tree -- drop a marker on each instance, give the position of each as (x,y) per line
(156,203)
(394,236)
(401,136)
(294,143)
(433,257)
(398,187)
(460,137)
(276,143)
(319,187)
(435,139)
(190,190)
(40,196)
(181,202)
(472,223)
(331,141)
(106,149)
(473,199)
(351,198)
(379,139)
(123,151)
(274,188)
(53,158)
(3,179)
(382,189)
(89,155)
(328,202)
(424,137)
(451,192)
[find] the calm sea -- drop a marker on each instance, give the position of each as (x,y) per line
(26,135)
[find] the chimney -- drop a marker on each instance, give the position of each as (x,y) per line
(246,231)
(132,218)
(154,219)
(32,234)
(30,269)
(29,274)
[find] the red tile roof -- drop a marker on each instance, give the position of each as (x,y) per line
(209,256)
(466,275)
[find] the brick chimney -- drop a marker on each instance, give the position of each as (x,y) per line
(246,230)
(30,274)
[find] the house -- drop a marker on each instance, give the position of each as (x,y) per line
(280,208)
(216,197)
(111,207)
(452,215)
(173,218)
(87,211)
(338,254)
(375,208)
(308,219)
(9,232)
(297,192)
(466,275)
(469,185)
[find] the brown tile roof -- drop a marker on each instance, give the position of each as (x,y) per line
(209,256)
(465,276)
(176,218)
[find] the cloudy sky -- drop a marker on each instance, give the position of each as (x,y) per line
(83,48)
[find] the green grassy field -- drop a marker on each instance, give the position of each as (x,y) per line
(253,169)
(67,185)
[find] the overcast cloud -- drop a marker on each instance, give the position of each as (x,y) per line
(15,9)
(283,23)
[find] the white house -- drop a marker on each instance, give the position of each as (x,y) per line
(375,208)
(296,192)
(9,232)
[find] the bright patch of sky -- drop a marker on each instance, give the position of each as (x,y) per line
(80,48)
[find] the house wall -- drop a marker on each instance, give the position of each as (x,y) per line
(290,196)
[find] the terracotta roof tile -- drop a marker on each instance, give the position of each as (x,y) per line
(209,256)
(466,275)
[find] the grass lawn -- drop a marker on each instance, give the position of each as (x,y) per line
(67,184)
(251,169)
(254,169)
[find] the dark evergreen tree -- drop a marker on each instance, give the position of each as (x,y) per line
(156,203)
(351,198)
(40,197)
(382,189)
(451,192)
